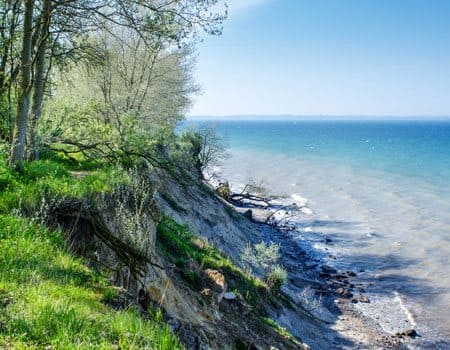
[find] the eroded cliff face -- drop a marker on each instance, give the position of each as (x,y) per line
(211,218)
(119,232)
(106,231)
(195,204)
(198,206)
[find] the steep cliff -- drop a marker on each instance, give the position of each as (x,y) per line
(158,264)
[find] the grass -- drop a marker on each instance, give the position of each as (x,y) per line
(50,299)
(51,180)
(280,330)
(179,244)
(55,300)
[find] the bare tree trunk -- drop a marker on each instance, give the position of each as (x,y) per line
(39,80)
(7,34)
(20,128)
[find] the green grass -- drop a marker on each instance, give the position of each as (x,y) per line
(51,180)
(53,299)
(50,299)
(280,330)
(179,244)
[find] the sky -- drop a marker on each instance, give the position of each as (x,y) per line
(327,57)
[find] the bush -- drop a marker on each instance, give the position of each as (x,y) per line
(265,256)
(193,279)
(224,190)
(178,243)
(261,255)
(134,214)
(276,278)
(209,148)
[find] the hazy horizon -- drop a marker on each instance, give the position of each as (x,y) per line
(282,117)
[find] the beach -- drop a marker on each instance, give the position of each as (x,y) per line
(388,229)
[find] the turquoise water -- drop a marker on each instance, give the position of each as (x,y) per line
(380,190)
(410,148)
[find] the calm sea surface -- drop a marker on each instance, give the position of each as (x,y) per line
(379,190)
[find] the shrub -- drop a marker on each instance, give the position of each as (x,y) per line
(208,148)
(224,190)
(193,279)
(261,255)
(178,242)
(134,214)
(276,278)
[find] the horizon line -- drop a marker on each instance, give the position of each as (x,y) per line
(320,117)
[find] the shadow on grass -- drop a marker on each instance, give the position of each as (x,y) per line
(26,269)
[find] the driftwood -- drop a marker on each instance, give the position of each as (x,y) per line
(244,198)
(248,199)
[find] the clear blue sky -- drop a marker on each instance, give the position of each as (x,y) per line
(328,57)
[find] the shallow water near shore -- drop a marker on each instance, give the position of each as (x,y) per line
(380,191)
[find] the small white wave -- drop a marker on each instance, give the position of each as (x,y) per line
(408,313)
(299,200)
(308,229)
(237,186)
(306,211)
(280,215)
(389,312)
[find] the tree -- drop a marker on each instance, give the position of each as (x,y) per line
(209,149)
(10,16)
(39,77)
(21,122)
(56,30)
(125,104)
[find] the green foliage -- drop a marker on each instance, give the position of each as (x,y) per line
(261,255)
(134,213)
(49,181)
(193,279)
(276,278)
(265,256)
(123,106)
(178,242)
(6,174)
(5,127)
(55,300)
(76,162)
(208,148)
(44,168)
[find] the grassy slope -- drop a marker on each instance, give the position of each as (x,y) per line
(49,298)
(179,244)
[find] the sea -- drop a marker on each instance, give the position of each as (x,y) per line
(379,190)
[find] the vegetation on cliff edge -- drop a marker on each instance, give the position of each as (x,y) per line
(48,297)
